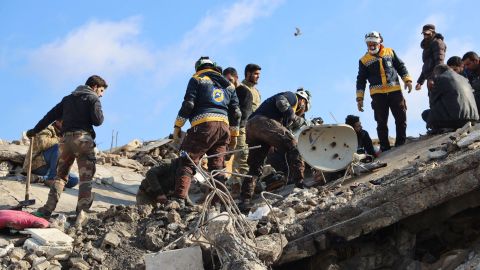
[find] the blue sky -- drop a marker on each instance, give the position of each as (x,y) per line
(146,51)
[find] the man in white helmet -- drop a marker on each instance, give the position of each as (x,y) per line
(381,67)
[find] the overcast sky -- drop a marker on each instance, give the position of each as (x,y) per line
(146,51)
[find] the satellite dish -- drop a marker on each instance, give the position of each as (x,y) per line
(328,148)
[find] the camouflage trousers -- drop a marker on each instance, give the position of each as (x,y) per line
(240,159)
(80,146)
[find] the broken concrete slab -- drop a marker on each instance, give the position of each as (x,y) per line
(14,153)
(60,252)
(50,236)
(178,259)
(150,146)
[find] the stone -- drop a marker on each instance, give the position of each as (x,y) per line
(107,180)
(128,163)
(174,217)
(97,254)
(17,254)
(53,251)
(79,263)
(145,210)
(469,139)
(437,154)
(178,259)
(40,263)
(4,242)
(31,257)
(13,153)
(20,265)
(172,205)
(271,247)
(110,240)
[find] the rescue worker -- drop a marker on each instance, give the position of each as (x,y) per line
(45,156)
(249,100)
(269,127)
(381,67)
(365,145)
(79,111)
(211,105)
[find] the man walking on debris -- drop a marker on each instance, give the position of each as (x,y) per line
(45,156)
(249,99)
(79,111)
(433,54)
(452,101)
(268,127)
(381,67)
(211,105)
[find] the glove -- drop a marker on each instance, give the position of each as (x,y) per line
(418,86)
(409,86)
(31,133)
(288,117)
(177,135)
(360,105)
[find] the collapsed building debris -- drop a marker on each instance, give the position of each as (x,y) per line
(420,212)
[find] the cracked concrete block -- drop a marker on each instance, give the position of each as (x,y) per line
(178,259)
(79,263)
(60,252)
(40,263)
(50,236)
(110,240)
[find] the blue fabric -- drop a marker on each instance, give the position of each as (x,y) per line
(50,170)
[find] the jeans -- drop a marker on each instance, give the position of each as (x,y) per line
(49,171)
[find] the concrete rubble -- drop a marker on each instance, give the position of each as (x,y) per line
(419,212)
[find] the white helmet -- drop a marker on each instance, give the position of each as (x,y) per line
(305,94)
(373,36)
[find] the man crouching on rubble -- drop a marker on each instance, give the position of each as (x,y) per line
(80,111)
(269,127)
(159,183)
(211,105)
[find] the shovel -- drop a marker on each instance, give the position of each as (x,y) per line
(27,201)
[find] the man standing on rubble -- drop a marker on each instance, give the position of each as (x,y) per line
(211,105)
(249,99)
(269,127)
(433,54)
(79,111)
(381,67)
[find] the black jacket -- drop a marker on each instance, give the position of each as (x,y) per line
(453,103)
(269,108)
(432,55)
(80,111)
(245,100)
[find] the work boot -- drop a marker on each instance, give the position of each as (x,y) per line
(42,213)
(84,204)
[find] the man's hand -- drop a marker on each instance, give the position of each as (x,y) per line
(360,105)
(409,86)
(418,86)
(430,84)
(31,133)
(177,135)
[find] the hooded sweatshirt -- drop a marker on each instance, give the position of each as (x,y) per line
(80,111)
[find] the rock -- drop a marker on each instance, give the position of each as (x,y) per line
(174,217)
(31,257)
(13,153)
(107,180)
(17,254)
(20,265)
(147,160)
(97,254)
(273,243)
(469,139)
(79,263)
(40,263)
(6,167)
(110,240)
(128,163)
(179,259)
(437,154)
(145,210)
(172,205)
(4,242)
(153,238)
(265,229)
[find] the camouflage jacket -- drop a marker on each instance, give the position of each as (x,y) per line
(41,142)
